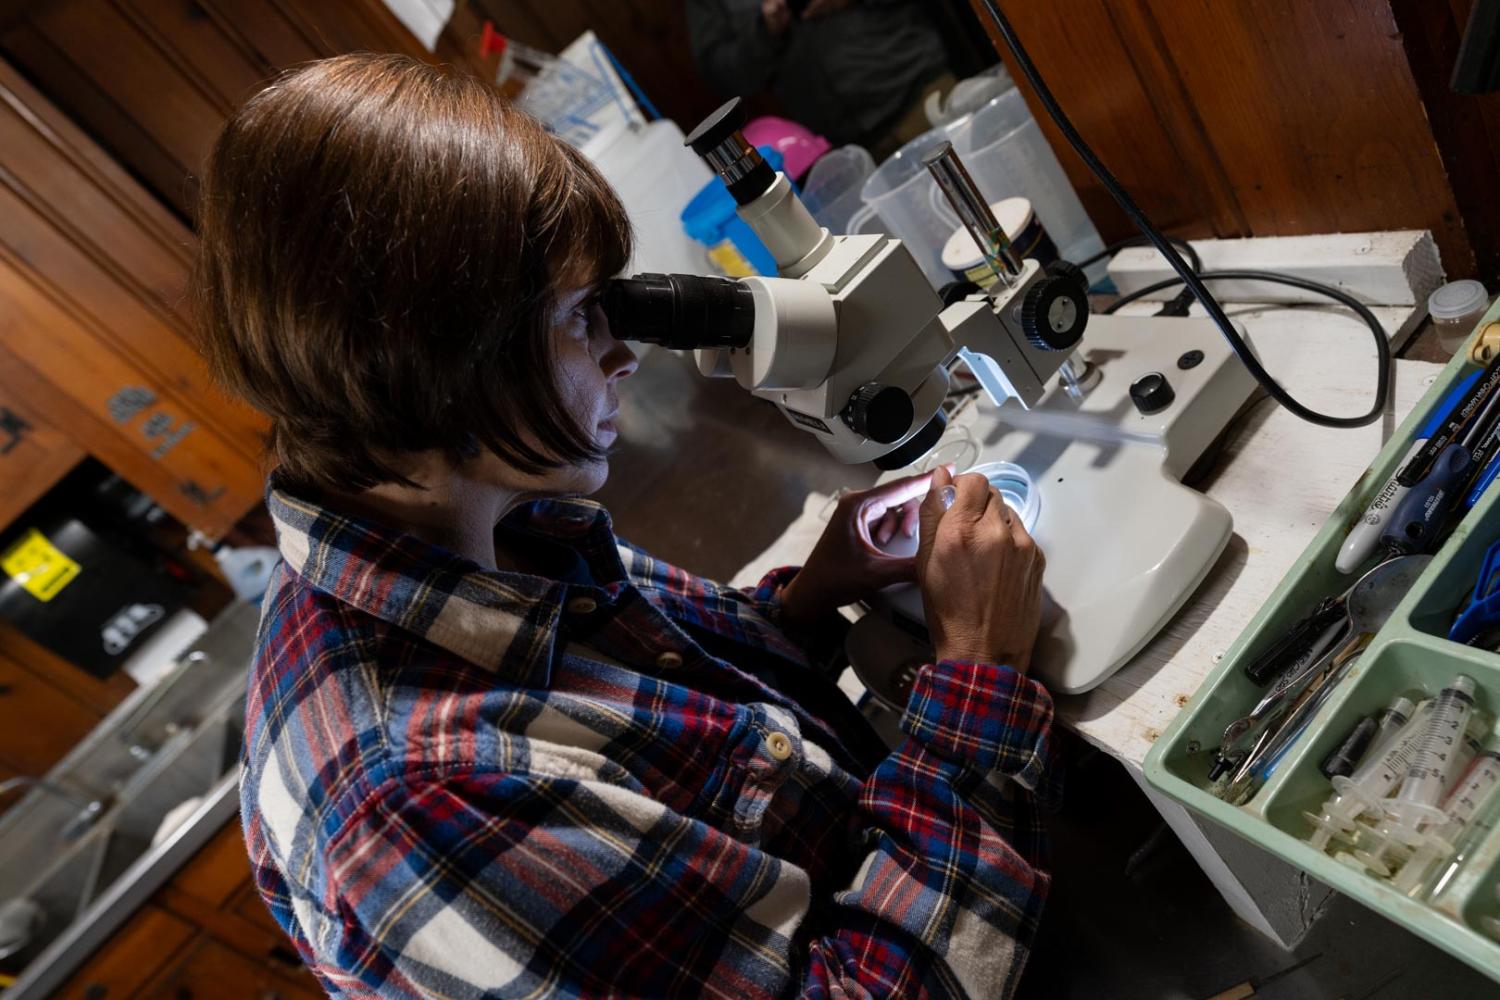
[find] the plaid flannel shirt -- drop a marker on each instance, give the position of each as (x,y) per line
(461,782)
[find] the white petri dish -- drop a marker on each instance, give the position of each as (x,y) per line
(1015,487)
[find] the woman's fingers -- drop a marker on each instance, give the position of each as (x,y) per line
(911,517)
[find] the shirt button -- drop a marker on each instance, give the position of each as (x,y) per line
(582,606)
(779,745)
(669,660)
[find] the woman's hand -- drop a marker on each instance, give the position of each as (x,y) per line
(847,564)
(980,574)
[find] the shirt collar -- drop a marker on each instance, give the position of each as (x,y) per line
(502,622)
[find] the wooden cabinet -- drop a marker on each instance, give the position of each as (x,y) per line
(132,958)
(204,934)
(210,971)
(43,722)
(93,330)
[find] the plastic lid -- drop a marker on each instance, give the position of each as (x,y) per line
(961,252)
(1457,299)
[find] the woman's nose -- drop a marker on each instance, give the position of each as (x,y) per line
(619,361)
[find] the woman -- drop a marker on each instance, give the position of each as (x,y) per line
(490,747)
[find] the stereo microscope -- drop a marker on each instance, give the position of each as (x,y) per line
(854,346)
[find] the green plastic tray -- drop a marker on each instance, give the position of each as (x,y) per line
(1409,654)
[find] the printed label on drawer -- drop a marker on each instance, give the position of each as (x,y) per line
(38,566)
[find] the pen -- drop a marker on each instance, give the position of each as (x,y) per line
(1482,483)
(1362,539)
(1457,424)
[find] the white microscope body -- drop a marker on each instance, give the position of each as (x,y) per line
(853,346)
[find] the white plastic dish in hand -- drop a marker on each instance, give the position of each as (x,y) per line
(1014,487)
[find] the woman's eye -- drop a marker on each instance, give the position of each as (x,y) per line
(584,312)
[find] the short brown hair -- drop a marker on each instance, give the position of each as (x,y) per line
(382,247)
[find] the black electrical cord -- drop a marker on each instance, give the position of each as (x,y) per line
(1271,277)
(1185,273)
(1138,241)
(1179,305)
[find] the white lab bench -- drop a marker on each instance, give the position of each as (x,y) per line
(1280,478)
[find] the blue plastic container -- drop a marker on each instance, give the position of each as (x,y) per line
(711,220)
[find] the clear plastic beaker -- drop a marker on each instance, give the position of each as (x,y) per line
(909,203)
(1007,155)
(831,188)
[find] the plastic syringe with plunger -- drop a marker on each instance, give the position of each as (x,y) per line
(1371,782)
(1474,795)
(1441,755)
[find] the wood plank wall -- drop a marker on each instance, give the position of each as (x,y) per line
(1249,117)
(176,68)
(1466,127)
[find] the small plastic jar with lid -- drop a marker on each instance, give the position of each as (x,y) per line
(1455,308)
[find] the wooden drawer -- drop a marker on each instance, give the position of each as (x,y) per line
(137,953)
(212,971)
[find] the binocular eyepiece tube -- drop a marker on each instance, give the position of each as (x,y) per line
(682,312)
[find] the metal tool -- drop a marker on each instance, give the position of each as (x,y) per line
(1296,642)
(1251,987)
(1249,740)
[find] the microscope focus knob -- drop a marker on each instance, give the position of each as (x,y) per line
(1054,313)
(882,413)
(1070,271)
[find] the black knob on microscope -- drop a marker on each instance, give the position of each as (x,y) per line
(1152,393)
(882,413)
(1054,313)
(1071,272)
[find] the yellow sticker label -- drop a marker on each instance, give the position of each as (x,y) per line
(728,259)
(38,566)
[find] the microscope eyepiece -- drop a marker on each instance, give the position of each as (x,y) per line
(718,139)
(682,312)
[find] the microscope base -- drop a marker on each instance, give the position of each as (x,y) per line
(1126,542)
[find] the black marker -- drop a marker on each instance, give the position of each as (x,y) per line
(1459,423)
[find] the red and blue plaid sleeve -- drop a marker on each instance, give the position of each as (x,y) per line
(987,716)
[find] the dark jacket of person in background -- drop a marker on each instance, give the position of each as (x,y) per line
(848,74)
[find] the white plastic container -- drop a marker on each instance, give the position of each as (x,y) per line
(1028,238)
(1455,308)
(654,175)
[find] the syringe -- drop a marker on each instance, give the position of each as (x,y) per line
(1372,781)
(1473,794)
(1370,732)
(1441,756)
